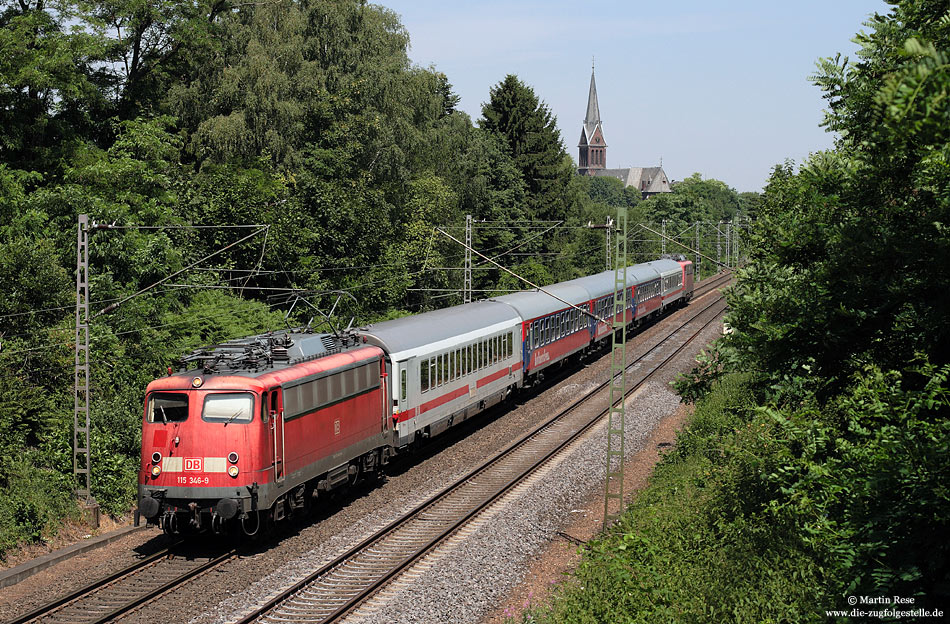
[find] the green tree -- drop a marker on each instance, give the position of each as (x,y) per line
(842,313)
(46,92)
(530,132)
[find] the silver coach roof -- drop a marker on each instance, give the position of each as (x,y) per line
(640,273)
(534,303)
(665,266)
(602,284)
(419,330)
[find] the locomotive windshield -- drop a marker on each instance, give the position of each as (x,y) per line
(229,407)
(167,407)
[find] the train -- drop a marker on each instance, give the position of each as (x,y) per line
(254,430)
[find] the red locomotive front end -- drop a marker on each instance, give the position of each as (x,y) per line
(204,453)
(262,426)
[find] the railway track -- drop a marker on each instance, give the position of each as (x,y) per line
(339,586)
(711,283)
(117,594)
(346,584)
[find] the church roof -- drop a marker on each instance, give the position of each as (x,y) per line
(648,180)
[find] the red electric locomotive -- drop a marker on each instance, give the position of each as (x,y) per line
(259,427)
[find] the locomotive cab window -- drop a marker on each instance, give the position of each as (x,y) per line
(167,407)
(228,407)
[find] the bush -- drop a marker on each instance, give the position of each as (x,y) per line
(34,498)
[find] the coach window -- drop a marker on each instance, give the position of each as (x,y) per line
(495,352)
(450,368)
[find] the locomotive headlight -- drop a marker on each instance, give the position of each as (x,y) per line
(233,471)
(156,470)
(156,457)
(232,457)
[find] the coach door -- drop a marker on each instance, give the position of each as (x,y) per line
(277,431)
(402,402)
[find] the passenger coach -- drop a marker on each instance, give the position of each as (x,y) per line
(448,364)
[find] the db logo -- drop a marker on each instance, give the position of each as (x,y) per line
(193,464)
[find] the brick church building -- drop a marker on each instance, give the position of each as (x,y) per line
(592,154)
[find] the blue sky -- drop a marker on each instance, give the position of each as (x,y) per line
(719,88)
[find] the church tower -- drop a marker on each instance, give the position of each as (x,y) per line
(592,149)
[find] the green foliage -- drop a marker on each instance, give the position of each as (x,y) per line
(866,485)
(34,499)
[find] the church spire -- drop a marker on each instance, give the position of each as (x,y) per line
(592,148)
(593,107)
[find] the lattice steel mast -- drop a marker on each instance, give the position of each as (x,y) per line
(82,465)
(467,286)
(613,485)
